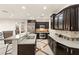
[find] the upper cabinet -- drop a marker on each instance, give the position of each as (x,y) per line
(56,22)
(66,19)
(60,21)
(52,21)
(78,18)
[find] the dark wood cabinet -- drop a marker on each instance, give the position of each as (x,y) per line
(26,49)
(53,21)
(42,30)
(66,19)
(52,44)
(57,48)
(60,22)
(73,19)
(60,49)
(74,51)
(45,24)
(56,22)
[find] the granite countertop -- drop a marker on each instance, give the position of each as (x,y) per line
(28,40)
(15,37)
(23,39)
(68,43)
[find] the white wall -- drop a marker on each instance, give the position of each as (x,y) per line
(9,24)
(43,20)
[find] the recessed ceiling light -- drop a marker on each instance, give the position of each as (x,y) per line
(23,7)
(44,7)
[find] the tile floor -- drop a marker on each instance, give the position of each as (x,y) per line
(43,47)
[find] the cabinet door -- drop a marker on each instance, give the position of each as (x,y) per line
(68,19)
(73,19)
(26,49)
(64,18)
(61,49)
(56,22)
(76,20)
(74,51)
(78,17)
(61,21)
(51,22)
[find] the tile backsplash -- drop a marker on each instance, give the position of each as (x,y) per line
(70,34)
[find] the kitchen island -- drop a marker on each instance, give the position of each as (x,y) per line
(23,44)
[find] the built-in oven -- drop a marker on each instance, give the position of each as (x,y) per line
(42,35)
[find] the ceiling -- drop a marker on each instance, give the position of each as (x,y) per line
(29,11)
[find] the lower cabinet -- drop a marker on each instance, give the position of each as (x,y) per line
(74,51)
(26,49)
(52,44)
(60,49)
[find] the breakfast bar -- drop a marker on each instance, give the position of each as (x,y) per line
(23,45)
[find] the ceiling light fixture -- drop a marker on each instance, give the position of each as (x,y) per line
(44,7)
(23,7)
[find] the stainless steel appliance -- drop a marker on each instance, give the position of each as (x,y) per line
(31,26)
(42,35)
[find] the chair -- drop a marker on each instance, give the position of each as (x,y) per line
(8,49)
(4,47)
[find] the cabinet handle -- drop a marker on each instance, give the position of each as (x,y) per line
(67,50)
(71,51)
